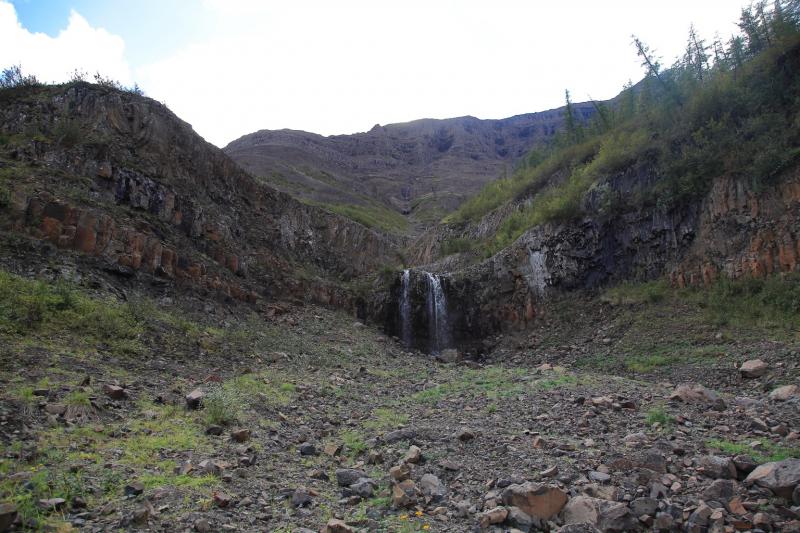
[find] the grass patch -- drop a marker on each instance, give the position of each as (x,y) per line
(490,383)
(385,418)
(354,443)
(39,308)
(371,216)
(658,415)
(564,380)
(637,293)
(767,453)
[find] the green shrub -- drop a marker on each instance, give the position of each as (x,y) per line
(457,245)
(223,405)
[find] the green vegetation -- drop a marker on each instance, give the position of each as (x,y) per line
(491,382)
(658,415)
(354,443)
(371,216)
(458,245)
(734,114)
(771,302)
(628,293)
(37,308)
(564,380)
(765,451)
(385,418)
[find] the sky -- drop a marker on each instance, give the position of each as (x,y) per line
(231,67)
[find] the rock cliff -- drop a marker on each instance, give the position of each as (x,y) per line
(116,176)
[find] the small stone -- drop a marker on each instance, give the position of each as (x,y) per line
(413,455)
(56,409)
(307,449)
(644,506)
(400,472)
(762,521)
(332,449)
(52,503)
(549,472)
(134,489)
(194,399)
(240,435)
(754,368)
(404,494)
(141,514)
(600,477)
(465,434)
(363,488)
(432,488)
(201,525)
(663,521)
(115,392)
(8,514)
(214,430)
(494,516)
(221,499)
(301,498)
(335,525)
(374,457)
(406,434)
(347,476)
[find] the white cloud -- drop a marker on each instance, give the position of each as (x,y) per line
(340,67)
(53,59)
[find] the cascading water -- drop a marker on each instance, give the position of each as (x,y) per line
(437,315)
(405,309)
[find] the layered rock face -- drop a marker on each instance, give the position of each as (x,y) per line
(423,167)
(119,177)
(733,231)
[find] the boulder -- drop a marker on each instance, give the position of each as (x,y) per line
(240,435)
(194,399)
(347,476)
(335,525)
(721,490)
(492,517)
(413,455)
(717,467)
(115,392)
(398,435)
(404,494)
(605,515)
(696,393)
(787,392)
(8,514)
(363,488)
(754,368)
(781,477)
(432,488)
(537,500)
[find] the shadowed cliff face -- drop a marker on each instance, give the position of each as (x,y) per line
(119,177)
(424,168)
(734,231)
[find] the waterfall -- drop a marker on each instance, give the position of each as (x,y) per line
(538,277)
(405,308)
(437,315)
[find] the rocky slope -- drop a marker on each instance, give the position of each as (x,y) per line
(117,177)
(316,423)
(423,168)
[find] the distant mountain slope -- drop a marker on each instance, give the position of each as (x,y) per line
(424,168)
